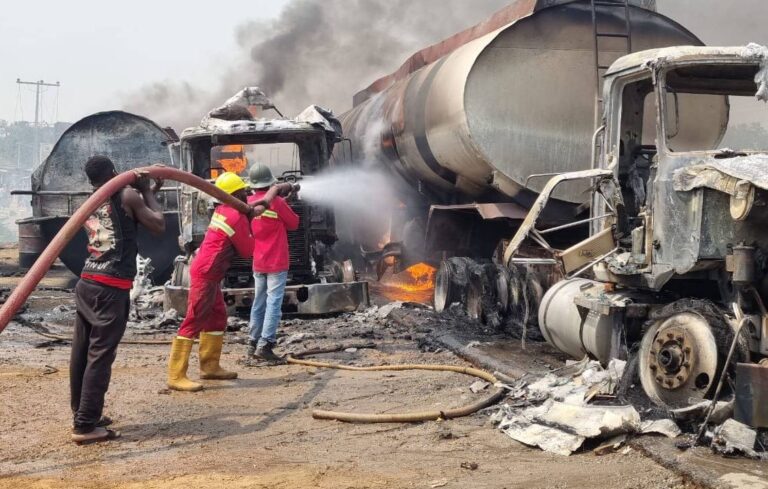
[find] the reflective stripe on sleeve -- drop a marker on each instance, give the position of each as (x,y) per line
(270,214)
(220,222)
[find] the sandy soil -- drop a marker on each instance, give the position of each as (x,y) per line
(257,431)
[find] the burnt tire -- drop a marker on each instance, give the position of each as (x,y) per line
(451,282)
(525,295)
(699,383)
(483,297)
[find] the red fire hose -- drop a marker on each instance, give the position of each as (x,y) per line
(73,225)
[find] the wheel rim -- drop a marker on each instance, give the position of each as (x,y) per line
(443,282)
(678,360)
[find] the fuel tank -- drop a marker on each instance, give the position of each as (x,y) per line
(60,186)
(506,99)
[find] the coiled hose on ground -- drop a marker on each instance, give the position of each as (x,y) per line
(101,195)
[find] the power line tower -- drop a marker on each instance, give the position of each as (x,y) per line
(38,111)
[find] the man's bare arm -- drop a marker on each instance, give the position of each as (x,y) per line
(144,207)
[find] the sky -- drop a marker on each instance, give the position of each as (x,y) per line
(102,51)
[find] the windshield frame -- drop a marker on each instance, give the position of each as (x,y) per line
(662,97)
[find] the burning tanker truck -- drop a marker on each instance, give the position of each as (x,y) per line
(596,204)
(319,281)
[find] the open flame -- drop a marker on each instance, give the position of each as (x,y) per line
(415,284)
(230,157)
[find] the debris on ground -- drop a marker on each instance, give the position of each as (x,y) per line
(156,321)
(734,438)
(554,412)
(610,445)
(665,427)
(479,386)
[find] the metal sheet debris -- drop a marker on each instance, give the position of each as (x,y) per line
(665,427)
(592,421)
(723,410)
(548,439)
(734,438)
(553,413)
(610,445)
(478,386)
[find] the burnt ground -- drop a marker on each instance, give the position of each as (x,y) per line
(257,431)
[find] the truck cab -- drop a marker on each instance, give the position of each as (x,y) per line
(683,138)
(319,281)
(675,264)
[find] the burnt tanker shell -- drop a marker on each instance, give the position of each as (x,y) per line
(518,99)
(130,141)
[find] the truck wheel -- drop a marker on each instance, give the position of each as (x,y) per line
(451,282)
(474,302)
(682,353)
(482,303)
(502,289)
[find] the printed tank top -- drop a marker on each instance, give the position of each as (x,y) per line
(112,244)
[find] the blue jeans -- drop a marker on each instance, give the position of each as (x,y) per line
(267,306)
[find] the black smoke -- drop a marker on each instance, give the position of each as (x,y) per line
(323,51)
(315,52)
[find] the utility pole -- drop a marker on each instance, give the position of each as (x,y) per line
(38,112)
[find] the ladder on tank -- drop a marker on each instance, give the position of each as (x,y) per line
(600,35)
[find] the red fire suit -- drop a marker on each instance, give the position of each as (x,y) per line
(228,233)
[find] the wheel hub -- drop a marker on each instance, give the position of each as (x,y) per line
(678,360)
(671,358)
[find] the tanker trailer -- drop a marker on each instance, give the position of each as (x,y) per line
(664,264)
(59,187)
(468,130)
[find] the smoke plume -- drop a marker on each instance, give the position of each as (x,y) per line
(323,51)
(316,52)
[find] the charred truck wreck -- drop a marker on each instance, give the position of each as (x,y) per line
(641,232)
(318,282)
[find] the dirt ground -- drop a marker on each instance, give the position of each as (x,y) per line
(257,431)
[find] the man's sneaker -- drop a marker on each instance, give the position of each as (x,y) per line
(264,352)
(252,344)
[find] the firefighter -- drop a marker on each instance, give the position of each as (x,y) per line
(228,233)
(270,265)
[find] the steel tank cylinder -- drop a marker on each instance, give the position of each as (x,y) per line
(518,100)
(31,242)
(60,186)
(565,328)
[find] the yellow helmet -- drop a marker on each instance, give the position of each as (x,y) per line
(230,182)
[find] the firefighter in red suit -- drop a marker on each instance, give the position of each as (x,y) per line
(228,233)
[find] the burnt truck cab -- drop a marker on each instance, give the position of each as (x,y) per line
(685,141)
(676,264)
(319,282)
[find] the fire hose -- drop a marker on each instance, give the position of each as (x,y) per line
(412,417)
(101,195)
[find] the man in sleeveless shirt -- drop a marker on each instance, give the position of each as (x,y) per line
(102,294)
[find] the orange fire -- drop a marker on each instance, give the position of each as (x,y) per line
(415,284)
(232,158)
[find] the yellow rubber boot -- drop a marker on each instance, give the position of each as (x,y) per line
(178,364)
(210,354)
